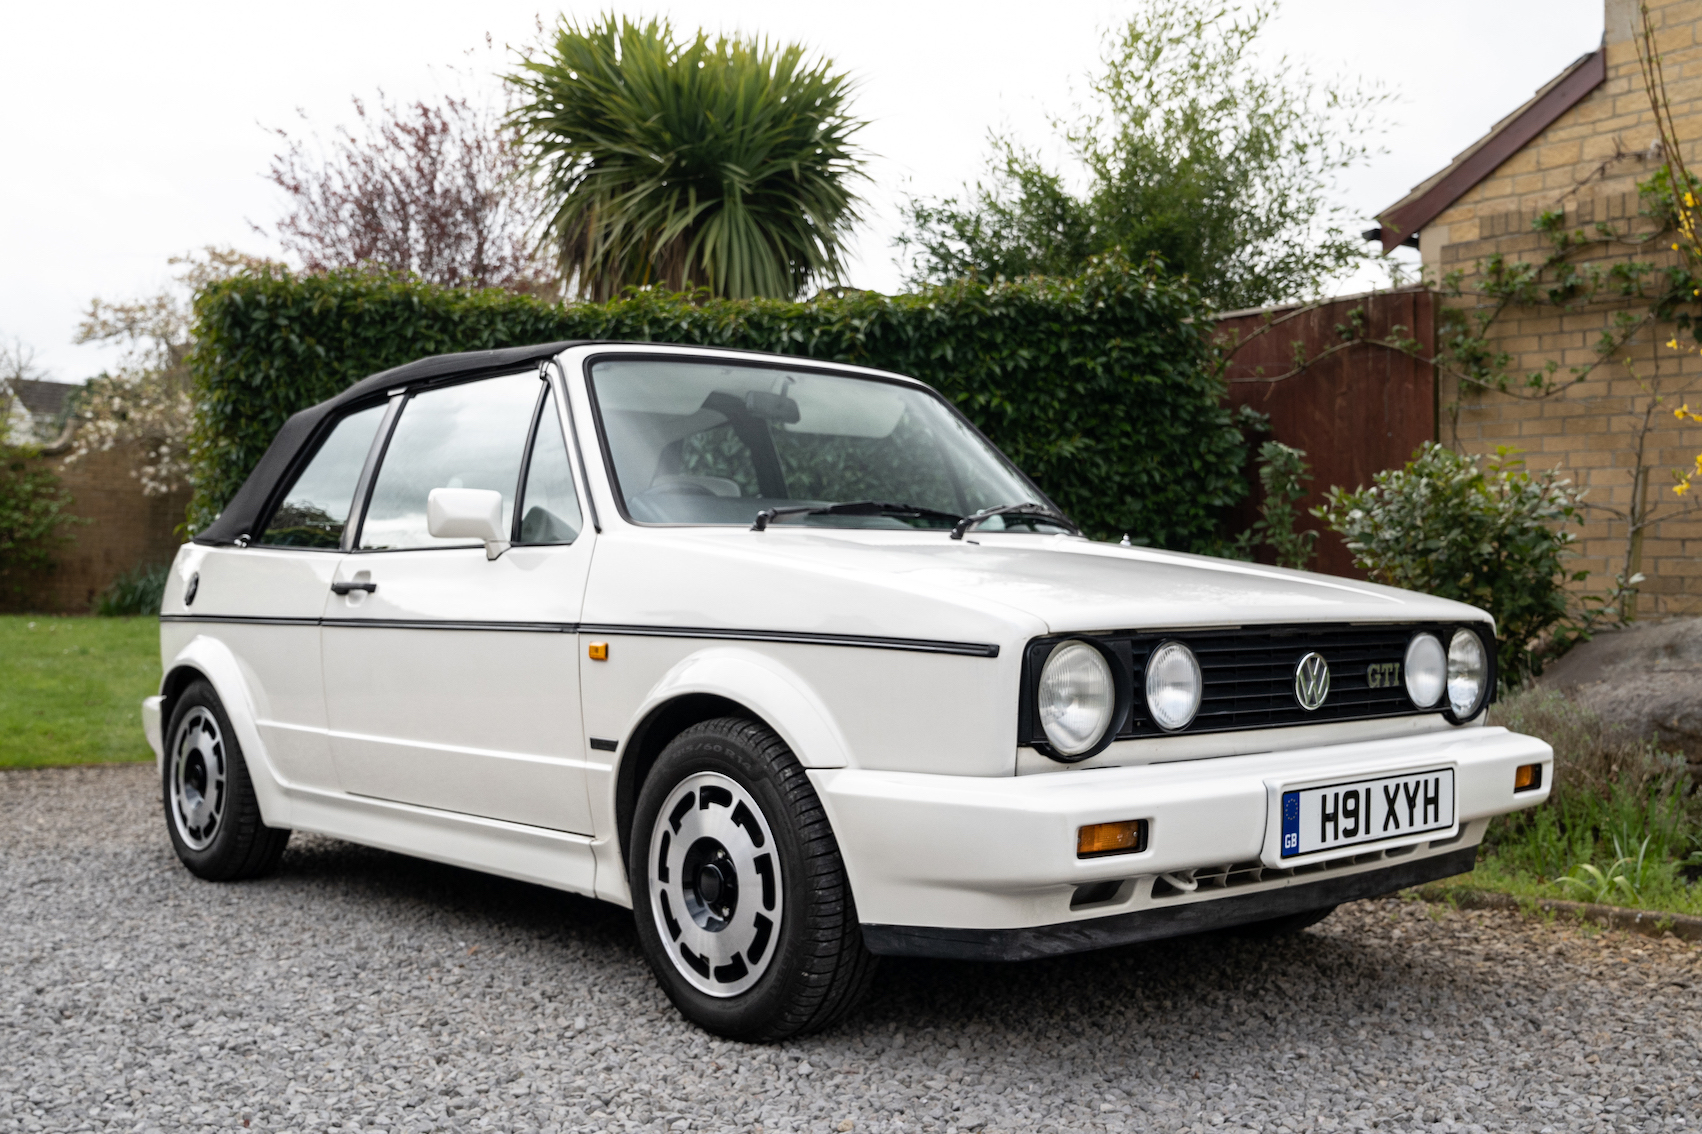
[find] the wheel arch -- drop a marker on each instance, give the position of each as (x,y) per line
(645,744)
(207,659)
(723,681)
(180,677)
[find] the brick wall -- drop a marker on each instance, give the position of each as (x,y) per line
(125,529)
(1588,163)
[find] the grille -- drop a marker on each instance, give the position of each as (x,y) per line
(1249,675)
(1234,876)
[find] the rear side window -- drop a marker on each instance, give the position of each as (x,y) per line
(467,436)
(316,508)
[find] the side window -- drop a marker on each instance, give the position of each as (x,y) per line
(549,506)
(316,508)
(466,436)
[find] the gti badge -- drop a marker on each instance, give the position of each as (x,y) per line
(1311,681)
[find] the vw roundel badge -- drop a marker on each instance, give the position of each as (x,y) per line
(1311,681)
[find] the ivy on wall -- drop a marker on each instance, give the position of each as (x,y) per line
(1101,387)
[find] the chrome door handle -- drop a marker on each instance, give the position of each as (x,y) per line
(345,588)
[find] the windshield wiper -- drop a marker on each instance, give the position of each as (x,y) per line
(1038,511)
(854,508)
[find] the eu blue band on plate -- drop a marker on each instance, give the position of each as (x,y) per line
(1290,822)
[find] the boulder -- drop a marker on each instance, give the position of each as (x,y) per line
(1647,677)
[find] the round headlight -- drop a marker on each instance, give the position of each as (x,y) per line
(1077,697)
(1173,686)
(1426,670)
(1468,673)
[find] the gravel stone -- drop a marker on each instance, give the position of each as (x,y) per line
(364,991)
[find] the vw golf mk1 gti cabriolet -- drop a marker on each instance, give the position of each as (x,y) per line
(788,658)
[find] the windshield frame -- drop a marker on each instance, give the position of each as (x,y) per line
(724,357)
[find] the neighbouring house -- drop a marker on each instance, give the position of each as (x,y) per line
(1581,146)
(36,411)
(124,528)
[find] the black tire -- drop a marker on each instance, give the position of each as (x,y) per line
(211,813)
(1283,926)
(815,967)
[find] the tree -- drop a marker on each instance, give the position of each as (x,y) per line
(32,504)
(1189,150)
(147,401)
(723,164)
(429,189)
(32,512)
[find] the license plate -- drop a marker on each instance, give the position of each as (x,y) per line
(1366,811)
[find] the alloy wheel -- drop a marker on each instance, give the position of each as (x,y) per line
(198,788)
(715,884)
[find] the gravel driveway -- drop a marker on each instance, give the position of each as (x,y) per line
(364,990)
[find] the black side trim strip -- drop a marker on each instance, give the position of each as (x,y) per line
(602,745)
(1156,922)
(241,619)
(447,624)
(856,641)
(918,645)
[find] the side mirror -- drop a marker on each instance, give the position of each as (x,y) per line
(468,513)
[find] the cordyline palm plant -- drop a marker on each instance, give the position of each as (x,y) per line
(722,164)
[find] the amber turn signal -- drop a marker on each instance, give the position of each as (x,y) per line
(1126,837)
(1527,777)
(599,651)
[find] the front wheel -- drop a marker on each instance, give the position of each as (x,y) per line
(210,809)
(738,889)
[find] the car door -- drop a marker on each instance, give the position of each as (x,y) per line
(264,601)
(452,679)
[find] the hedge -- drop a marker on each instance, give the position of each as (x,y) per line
(1100,387)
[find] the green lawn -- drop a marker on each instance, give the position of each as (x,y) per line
(71,689)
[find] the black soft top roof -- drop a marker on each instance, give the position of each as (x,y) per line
(295,442)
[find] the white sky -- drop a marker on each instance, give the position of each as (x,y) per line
(135,132)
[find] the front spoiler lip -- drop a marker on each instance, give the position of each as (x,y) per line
(1154,922)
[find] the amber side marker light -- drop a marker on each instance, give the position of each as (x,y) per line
(1098,839)
(1527,777)
(599,651)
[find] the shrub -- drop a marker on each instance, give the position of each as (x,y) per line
(139,590)
(1492,535)
(1622,819)
(1101,387)
(32,512)
(1284,474)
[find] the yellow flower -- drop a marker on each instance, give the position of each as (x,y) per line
(1673,343)
(1681,488)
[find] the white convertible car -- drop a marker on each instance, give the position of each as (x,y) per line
(788,658)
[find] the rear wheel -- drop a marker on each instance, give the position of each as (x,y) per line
(739,893)
(210,809)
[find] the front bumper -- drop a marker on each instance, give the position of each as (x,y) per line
(931,852)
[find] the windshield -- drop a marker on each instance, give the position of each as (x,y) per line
(713,443)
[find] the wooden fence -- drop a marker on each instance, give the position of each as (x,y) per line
(1357,411)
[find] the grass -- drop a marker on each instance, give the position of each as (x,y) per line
(71,689)
(1623,826)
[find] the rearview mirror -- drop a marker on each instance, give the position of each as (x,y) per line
(468,513)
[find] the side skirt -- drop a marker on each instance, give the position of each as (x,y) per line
(557,859)
(1153,923)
